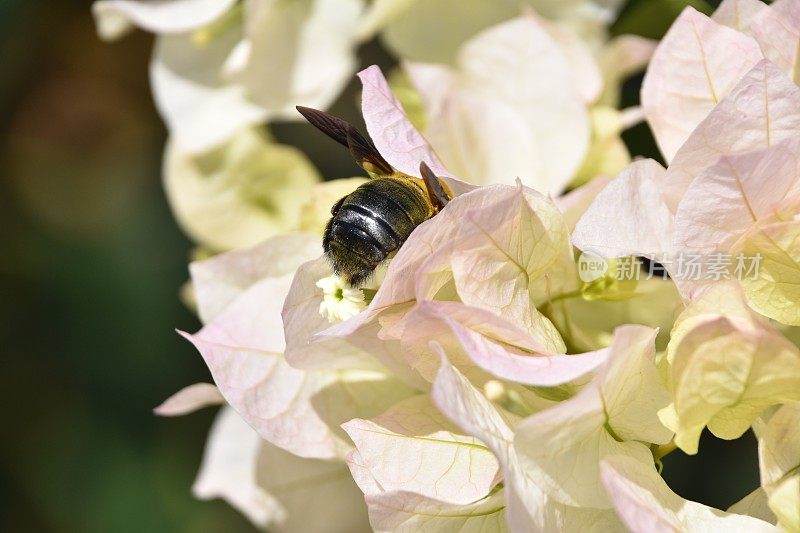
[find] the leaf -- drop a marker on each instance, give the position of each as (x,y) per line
(413,448)
(773,252)
(694,67)
(273,487)
(646,504)
(190,399)
(236,196)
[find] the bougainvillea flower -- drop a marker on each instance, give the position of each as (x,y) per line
(615,414)
(701,59)
(779,462)
(646,504)
(733,173)
(528,507)
(240,296)
(727,365)
(272,487)
(488,128)
(115,17)
(224,68)
(411,28)
(239,194)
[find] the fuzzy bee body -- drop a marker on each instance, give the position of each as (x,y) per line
(372,222)
(377,218)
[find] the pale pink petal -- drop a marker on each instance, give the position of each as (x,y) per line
(480,334)
(413,447)
(777,30)
(190,399)
(728,197)
(302,320)
(221,279)
(697,63)
(543,93)
(529,508)
(229,468)
(161,16)
(614,414)
(575,203)
(295,410)
(409,512)
(513,257)
(396,138)
(738,14)
(646,504)
(273,487)
(629,216)
(762,110)
(584,69)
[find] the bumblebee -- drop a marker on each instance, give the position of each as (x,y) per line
(377,218)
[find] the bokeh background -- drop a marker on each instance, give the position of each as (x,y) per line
(91,265)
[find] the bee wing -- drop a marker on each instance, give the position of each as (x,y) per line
(345,134)
(436,192)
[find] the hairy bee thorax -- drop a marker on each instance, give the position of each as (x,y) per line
(372,222)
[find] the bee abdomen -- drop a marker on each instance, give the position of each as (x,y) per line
(369,224)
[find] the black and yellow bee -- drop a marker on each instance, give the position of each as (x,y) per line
(375,219)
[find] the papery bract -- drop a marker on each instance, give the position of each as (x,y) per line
(273,487)
(613,415)
(115,17)
(697,63)
(529,508)
(489,128)
(646,504)
(190,399)
(779,462)
(239,194)
(774,287)
(724,377)
(243,345)
(412,447)
(255,67)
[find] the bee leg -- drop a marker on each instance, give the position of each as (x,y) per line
(436,192)
(338,205)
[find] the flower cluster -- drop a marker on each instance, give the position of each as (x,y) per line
(481,382)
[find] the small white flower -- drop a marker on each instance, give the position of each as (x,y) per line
(340,301)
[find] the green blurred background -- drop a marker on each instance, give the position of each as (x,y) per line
(91,264)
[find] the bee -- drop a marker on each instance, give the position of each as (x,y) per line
(376,219)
